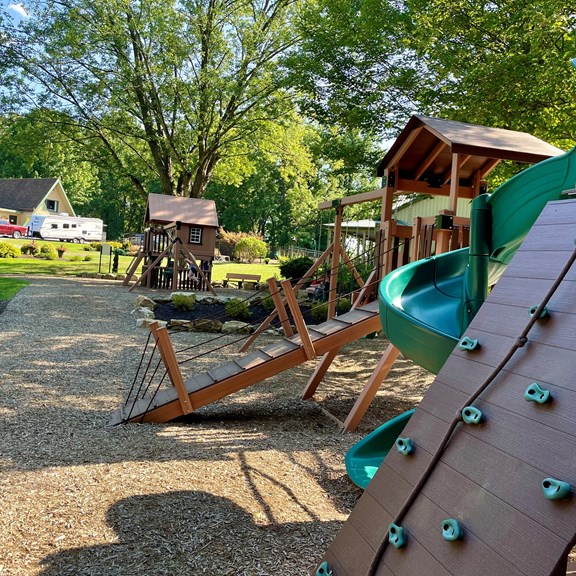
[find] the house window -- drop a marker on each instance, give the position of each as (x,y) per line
(195,235)
(13,219)
(52,205)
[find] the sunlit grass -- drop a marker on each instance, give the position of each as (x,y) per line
(9,287)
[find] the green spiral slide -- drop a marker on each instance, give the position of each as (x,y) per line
(427,305)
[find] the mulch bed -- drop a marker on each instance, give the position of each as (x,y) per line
(167,312)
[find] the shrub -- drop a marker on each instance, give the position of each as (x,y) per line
(249,248)
(343,305)
(227,241)
(296,268)
(48,251)
(30,248)
(88,257)
(238,309)
(96,246)
(87,248)
(184,302)
(76,258)
(268,303)
(8,250)
(319,312)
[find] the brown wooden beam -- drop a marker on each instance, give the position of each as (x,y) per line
(436,151)
(356,199)
(407,186)
(298,320)
(280,307)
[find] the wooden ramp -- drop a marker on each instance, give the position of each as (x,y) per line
(230,377)
(489,477)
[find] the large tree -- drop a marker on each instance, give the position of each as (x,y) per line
(169,89)
(502,63)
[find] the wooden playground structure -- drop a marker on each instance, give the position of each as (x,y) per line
(431,156)
(487,486)
(181,231)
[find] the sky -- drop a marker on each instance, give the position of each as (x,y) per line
(14,9)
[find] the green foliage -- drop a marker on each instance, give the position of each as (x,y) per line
(238,309)
(48,252)
(343,305)
(76,258)
(249,248)
(30,249)
(268,303)
(319,312)
(88,258)
(96,246)
(295,268)
(163,92)
(8,250)
(184,302)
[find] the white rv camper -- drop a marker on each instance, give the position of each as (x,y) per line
(66,228)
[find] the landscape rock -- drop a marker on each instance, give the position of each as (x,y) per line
(145,322)
(142,312)
(183,324)
(206,325)
(208,300)
(237,327)
(145,302)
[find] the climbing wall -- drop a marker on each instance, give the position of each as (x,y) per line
(506,482)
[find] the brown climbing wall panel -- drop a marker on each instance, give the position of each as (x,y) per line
(489,478)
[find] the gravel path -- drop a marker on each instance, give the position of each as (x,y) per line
(252,485)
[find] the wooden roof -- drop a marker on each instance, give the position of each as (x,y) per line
(24,194)
(164,209)
(423,151)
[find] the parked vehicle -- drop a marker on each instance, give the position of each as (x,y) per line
(67,228)
(7,229)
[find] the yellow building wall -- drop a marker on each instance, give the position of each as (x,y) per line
(431,207)
(57,195)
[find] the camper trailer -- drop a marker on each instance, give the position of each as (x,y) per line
(66,228)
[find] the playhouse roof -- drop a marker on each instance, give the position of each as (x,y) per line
(425,146)
(164,209)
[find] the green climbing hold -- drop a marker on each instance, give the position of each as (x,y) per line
(555,489)
(468,343)
(451,530)
(404,446)
(543,314)
(471,415)
(396,536)
(535,393)
(324,570)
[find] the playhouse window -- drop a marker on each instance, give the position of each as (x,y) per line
(52,205)
(195,235)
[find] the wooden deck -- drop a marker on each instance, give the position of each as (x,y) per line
(235,375)
(489,477)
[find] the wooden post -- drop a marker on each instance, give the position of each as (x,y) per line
(133,267)
(169,358)
(371,387)
(319,373)
(298,320)
(280,307)
(454,184)
(151,267)
(334,265)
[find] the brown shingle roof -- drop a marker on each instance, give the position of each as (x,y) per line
(462,138)
(24,193)
(164,209)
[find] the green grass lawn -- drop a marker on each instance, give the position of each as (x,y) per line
(9,287)
(67,266)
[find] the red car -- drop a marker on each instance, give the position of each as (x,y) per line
(7,229)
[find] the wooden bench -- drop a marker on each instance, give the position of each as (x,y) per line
(240,278)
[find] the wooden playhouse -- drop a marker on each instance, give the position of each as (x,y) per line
(180,233)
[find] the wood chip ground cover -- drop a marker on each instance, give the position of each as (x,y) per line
(252,485)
